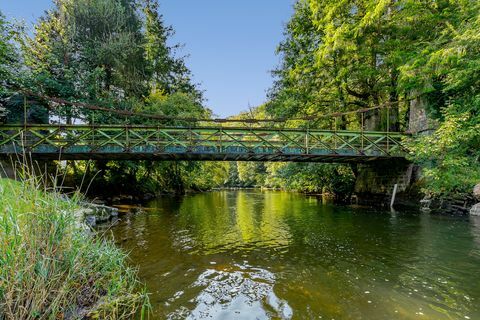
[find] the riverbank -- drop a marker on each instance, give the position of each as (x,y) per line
(50,268)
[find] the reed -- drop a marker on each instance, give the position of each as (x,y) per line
(50,268)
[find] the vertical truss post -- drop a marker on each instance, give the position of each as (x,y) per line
(307,149)
(388,128)
(22,138)
(190,136)
(93,131)
(335,133)
(24,134)
(362,131)
(127,136)
(221,138)
(25,112)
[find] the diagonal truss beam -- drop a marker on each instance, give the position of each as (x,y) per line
(256,144)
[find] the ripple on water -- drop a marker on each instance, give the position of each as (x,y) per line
(242,290)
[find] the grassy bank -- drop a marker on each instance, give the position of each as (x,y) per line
(51,269)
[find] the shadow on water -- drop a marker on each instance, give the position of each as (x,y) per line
(276,255)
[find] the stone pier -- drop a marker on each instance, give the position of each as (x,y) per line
(375,183)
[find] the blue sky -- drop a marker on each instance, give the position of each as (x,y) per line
(230,43)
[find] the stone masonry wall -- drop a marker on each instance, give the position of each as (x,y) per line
(419,122)
(375,182)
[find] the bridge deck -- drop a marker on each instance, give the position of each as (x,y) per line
(83,142)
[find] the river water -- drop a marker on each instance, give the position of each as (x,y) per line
(276,255)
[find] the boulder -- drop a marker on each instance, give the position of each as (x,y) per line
(475,211)
(102,213)
(476,192)
(94,214)
(83,212)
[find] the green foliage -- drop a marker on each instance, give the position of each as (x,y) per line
(15,104)
(88,50)
(8,54)
(312,178)
(337,180)
(251,174)
(9,63)
(105,52)
(451,155)
(345,55)
(209,175)
(340,56)
(177,105)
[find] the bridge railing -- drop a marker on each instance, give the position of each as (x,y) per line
(85,141)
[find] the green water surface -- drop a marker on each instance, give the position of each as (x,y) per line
(276,255)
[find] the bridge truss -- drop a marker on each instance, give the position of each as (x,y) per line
(109,142)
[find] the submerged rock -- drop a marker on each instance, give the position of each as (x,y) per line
(475,210)
(476,192)
(425,205)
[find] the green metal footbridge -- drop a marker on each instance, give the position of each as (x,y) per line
(203,143)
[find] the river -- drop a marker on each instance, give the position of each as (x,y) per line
(277,255)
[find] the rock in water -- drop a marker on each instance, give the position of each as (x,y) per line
(91,221)
(475,211)
(476,192)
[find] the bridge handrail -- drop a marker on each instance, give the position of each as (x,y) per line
(4,127)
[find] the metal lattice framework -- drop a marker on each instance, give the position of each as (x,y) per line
(82,142)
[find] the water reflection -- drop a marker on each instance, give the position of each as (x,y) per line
(274,255)
(475,231)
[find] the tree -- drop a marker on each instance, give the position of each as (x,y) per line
(451,156)
(296,87)
(7,60)
(88,51)
(251,174)
(335,179)
(12,75)
(114,53)
(350,55)
(8,54)
(168,74)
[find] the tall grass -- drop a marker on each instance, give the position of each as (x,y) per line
(50,268)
